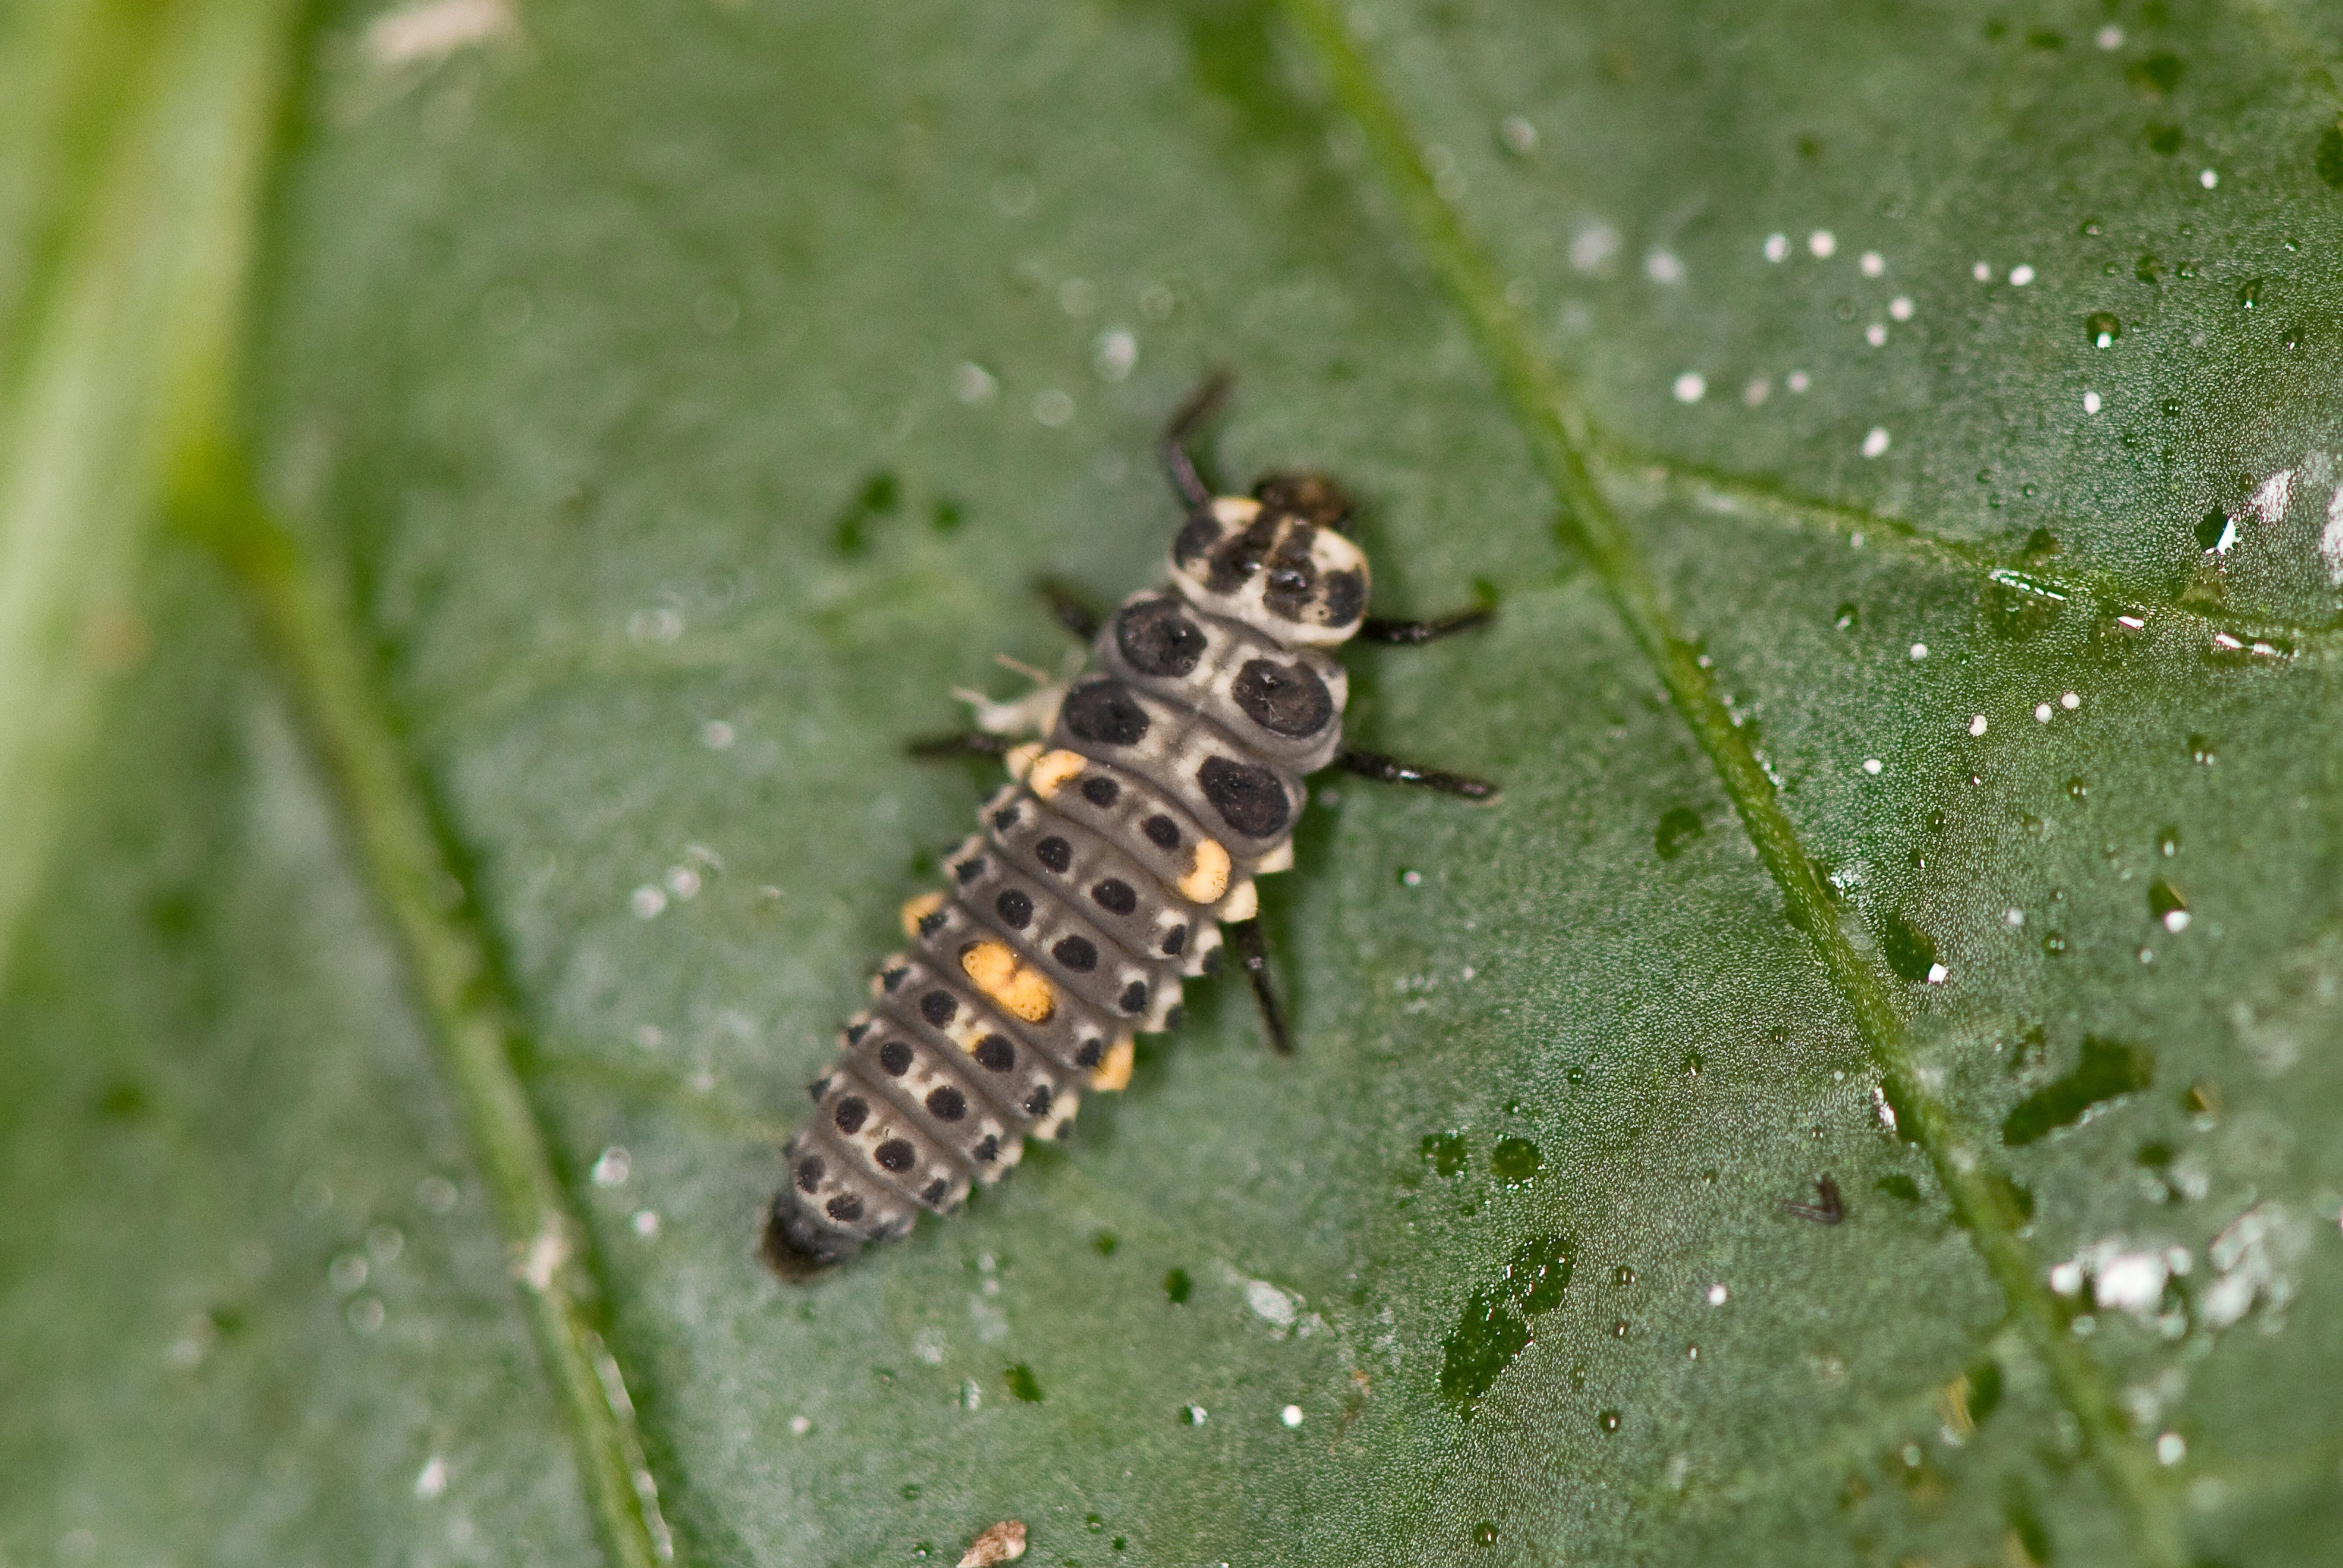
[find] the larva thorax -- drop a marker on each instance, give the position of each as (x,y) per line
(1171,777)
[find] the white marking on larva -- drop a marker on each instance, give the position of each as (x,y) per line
(432,1481)
(1822,242)
(2021,275)
(2270,501)
(1777,247)
(1875,442)
(1690,386)
(2091,404)
(429,32)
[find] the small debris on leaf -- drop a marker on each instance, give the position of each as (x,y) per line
(1003,1543)
(1825,1210)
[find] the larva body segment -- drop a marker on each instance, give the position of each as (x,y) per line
(1171,775)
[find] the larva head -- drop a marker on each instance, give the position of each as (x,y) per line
(1276,560)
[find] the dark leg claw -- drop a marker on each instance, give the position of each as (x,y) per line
(1417,633)
(1392,771)
(1254,954)
(968,743)
(1071,607)
(1177,463)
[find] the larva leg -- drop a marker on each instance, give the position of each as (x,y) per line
(1244,935)
(1178,465)
(1071,607)
(1417,633)
(967,743)
(1392,771)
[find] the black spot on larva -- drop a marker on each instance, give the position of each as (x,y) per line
(1196,537)
(1090,1053)
(892,978)
(931,922)
(969,870)
(1175,941)
(1015,908)
(855,1032)
(1237,560)
(1054,853)
(851,1113)
(1076,953)
(1100,792)
(1211,963)
(1284,699)
(1248,797)
(896,1154)
(1345,594)
(994,1053)
(935,1192)
(1133,998)
(1292,576)
(1115,894)
(1176,1016)
(811,1171)
(845,1208)
(895,1056)
(937,1007)
(1004,819)
(946,1104)
(1037,1104)
(988,1149)
(1162,831)
(1104,713)
(1155,638)
(818,1087)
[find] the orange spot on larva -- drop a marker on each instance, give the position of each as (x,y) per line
(1208,874)
(997,972)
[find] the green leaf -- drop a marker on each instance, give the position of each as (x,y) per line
(1866,1093)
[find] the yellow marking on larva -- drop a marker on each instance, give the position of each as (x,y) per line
(1050,772)
(1020,758)
(919,908)
(1113,1071)
(999,975)
(1208,874)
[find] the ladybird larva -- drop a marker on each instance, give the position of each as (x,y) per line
(1118,861)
